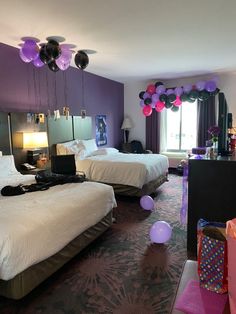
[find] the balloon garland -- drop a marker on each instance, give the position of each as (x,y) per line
(56,57)
(158,97)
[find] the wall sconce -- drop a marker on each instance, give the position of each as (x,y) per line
(126,126)
(33,141)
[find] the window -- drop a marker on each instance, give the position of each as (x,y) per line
(181,127)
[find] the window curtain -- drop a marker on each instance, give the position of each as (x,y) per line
(153,132)
(206,117)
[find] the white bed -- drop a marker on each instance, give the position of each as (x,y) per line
(109,166)
(35,226)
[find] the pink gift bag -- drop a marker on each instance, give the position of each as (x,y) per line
(231,242)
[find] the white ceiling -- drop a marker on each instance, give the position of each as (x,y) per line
(134,39)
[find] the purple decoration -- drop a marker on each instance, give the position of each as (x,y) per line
(153,104)
(155,98)
(169,91)
(30,49)
(142,104)
(147,202)
(62,65)
(146,95)
(200,85)
(187,88)
(178,91)
(160,232)
(23,57)
(65,56)
(183,211)
(160,89)
(210,86)
(38,63)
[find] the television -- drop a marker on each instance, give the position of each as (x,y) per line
(224,121)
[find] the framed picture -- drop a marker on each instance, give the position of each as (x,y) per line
(101,130)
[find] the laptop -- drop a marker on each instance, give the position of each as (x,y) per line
(63,164)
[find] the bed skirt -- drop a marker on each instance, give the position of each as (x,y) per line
(147,189)
(27,280)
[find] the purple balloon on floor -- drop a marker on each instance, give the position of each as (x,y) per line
(160,232)
(147,202)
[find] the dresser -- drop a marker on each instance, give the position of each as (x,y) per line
(211,194)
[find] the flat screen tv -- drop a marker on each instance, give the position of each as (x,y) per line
(223,148)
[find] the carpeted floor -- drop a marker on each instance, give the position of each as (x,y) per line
(121,272)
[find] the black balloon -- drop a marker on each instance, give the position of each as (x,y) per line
(141,95)
(168,104)
(158,84)
(174,108)
(81,60)
(191,99)
(203,95)
(43,55)
(147,101)
(172,98)
(184,97)
(163,98)
(53,49)
(53,66)
(193,94)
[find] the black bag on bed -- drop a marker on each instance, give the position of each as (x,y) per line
(46,176)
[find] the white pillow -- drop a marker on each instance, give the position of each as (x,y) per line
(61,148)
(105,151)
(0,153)
(89,145)
(7,166)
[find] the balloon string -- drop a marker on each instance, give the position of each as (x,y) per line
(183,211)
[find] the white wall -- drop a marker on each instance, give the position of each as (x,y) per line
(227,84)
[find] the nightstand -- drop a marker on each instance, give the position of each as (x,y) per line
(126,148)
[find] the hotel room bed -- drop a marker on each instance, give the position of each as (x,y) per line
(129,174)
(41,231)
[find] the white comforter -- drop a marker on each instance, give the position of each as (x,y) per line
(127,169)
(36,225)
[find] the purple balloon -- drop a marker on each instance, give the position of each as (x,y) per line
(200,85)
(142,104)
(155,98)
(23,57)
(30,49)
(153,104)
(160,89)
(210,86)
(160,232)
(62,65)
(38,63)
(169,91)
(65,56)
(146,95)
(178,91)
(147,202)
(187,88)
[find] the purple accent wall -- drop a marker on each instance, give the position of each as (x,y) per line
(25,88)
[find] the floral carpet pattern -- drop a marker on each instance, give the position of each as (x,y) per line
(122,272)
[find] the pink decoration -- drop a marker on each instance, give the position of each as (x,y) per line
(151,89)
(147,110)
(178,101)
(159,106)
(147,202)
(160,232)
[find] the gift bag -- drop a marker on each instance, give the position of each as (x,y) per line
(212,256)
(231,242)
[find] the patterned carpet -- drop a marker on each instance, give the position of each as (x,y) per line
(121,272)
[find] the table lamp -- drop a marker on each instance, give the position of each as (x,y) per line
(34,141)
(126,126)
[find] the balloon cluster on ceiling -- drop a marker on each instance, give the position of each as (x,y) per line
(158,97)
(56,57)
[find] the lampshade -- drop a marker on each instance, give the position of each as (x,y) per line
(127,124)
(34,139)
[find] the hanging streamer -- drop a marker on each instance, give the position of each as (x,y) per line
(183,211)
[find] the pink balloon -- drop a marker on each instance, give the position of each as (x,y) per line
(151,89)
(159,106)
(147,202)
(147,110)
(160,232)
(178,101)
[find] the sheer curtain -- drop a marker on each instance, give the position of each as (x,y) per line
(206,117)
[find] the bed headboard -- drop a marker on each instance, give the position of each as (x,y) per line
(82,128)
